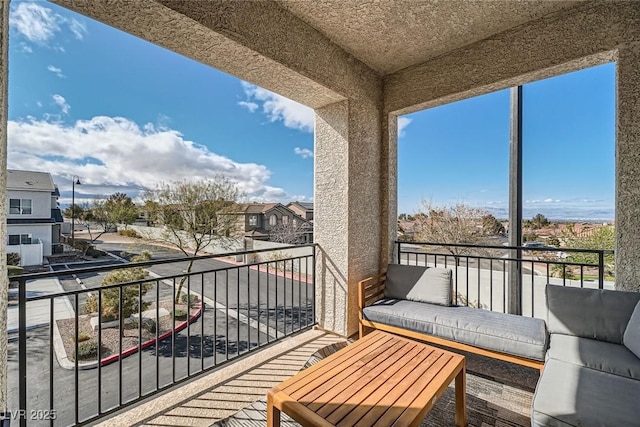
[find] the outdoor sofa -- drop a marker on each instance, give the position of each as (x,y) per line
(592,372)
(589,359)
(417,302)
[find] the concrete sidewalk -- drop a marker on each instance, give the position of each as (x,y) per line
(39,312)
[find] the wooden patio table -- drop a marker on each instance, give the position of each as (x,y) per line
(380,380)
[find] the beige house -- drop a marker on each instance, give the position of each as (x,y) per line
(303,209)
(275,222)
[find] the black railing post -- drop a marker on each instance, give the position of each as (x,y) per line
(22,350)
(313,285)
(601,269)
(399,259)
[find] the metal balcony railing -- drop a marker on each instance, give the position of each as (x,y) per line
(481,273)
(228,309)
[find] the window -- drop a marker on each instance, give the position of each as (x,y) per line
(295,222)
(20,206)
(273,220)
(253,220)
(285,220)
(19,239)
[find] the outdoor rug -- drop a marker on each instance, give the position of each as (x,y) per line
(498,394)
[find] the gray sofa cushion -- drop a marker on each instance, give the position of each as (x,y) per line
(631,337)
(573,395)
(590,313)
(416,283)
(506,333)
(604,356)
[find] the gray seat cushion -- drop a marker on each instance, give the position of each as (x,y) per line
(590,313)
(604,356)
(506,333)
(573,395)
(631,338)
(415,283)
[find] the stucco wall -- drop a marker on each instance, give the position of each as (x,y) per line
(628,169)
(562,42)
(347,208)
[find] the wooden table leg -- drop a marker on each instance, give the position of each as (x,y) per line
(461,397)
(273,413)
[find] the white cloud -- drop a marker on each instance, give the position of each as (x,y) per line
(305,153)
(251,106)
(79,29)
(62,103)
(278,108)
(57,71)
(39,24)
(25,48)
(403,122)
(115,154)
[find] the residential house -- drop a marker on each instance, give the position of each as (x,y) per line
(34,218)
(274,222)
(303,209)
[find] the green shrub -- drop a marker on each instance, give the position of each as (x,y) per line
(109,313)
(147,324)
(87,350)
(129,233)
(13,259)
(193,299)
(83,338)
(93,252)
(180,314)
(81,245)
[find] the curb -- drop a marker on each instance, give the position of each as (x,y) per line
(67,364)
(264,270)
(110,359)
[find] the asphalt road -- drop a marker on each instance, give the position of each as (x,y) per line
(276,303)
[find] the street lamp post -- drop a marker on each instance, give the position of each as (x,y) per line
(74,180)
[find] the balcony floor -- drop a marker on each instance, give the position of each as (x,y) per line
(498,393)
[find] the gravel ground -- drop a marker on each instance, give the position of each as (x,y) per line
(111,336)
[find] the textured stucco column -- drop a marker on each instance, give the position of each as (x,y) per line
(347,205)
(4,279)
(628,169)
(389,189)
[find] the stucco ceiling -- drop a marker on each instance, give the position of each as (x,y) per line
(391,35)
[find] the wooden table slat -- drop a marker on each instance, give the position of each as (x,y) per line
(405,373)
(358,397)
(405,397)
(332,386)
(341,371)
(369,343)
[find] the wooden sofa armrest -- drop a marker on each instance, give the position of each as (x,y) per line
(370,290)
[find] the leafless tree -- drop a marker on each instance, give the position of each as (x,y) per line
(193,215)
(289,233)
(449,225)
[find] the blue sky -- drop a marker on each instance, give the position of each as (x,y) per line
(460,152)
(123,114)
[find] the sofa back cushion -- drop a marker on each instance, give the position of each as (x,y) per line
(631,338)
(416,283)
(589,313)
